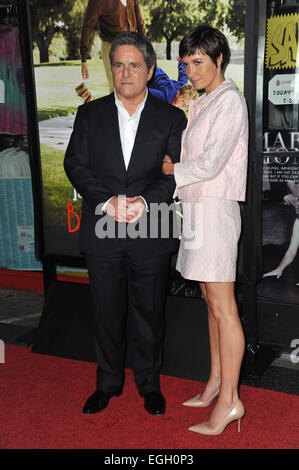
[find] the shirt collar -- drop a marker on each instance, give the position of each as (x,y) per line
(121,106)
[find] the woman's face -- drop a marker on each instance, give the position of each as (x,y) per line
(202,72)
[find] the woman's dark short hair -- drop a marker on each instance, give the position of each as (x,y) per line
(133,38)
(208,40)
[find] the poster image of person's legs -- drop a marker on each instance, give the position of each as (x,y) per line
(281,243)
(291,199)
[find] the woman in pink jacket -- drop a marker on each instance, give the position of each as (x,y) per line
(211,179)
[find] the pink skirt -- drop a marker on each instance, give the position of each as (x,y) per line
(209,244)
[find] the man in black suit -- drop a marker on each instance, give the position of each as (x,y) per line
(114,160)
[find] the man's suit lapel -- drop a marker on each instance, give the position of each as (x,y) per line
(112,135)
(145,130)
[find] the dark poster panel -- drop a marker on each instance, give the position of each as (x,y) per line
(281,154)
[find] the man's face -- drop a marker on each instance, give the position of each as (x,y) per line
(130,73)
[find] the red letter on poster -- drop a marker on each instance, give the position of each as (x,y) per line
(70,210)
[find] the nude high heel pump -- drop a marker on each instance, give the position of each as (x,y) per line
(235,414)
(196,401)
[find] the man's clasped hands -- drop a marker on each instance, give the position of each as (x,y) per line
(126,209)
(130,209)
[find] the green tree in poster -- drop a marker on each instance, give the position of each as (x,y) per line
(169,19)
(172,19)
(73,27)
(235,18)
(47,18)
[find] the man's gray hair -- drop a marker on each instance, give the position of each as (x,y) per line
(132,38)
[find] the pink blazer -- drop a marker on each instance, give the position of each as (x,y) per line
(214,147)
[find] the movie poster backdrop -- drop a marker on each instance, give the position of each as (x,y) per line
(281,154)
(57,101)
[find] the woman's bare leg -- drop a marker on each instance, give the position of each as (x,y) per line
(222,305)
(215,371)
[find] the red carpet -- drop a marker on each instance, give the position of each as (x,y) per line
(42,399)
(32,280)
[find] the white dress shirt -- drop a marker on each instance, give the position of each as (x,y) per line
(124,2)
(128,126)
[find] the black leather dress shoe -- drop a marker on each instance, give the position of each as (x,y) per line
(154,403)
(98,401)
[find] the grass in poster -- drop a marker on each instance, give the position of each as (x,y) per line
(57,190)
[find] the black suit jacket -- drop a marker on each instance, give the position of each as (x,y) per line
(95,166)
